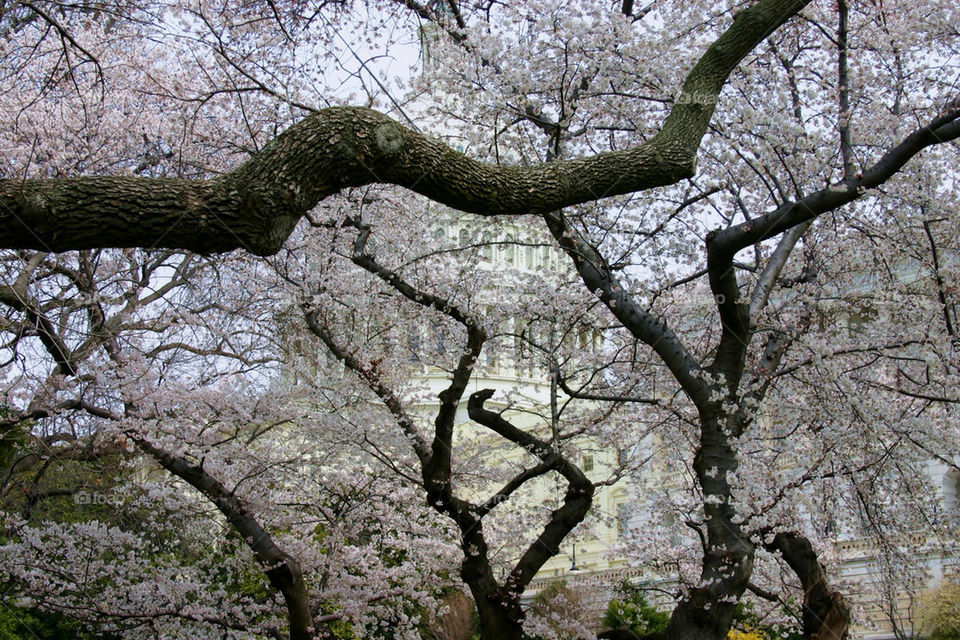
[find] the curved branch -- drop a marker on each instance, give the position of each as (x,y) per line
(723,245)
(45,330)
(513,485)
(281,568)
(581,395)
(776,263)
(436,469)
(256,206)
(599,278)
(826,615)
(576,500)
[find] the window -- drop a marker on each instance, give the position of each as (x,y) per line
(587,464)
(669,521)
(439,337)
(623,519)
(413,344)
(486,251)
(858,320)
(951,496)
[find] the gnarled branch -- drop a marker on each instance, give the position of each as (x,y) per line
(256,206)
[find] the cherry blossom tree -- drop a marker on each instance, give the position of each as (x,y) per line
(148,361)
(756,201)
(106,352)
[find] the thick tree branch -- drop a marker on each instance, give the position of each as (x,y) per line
(725,243)
(599,278)
(826,615)
(514,484)
(16,297)
(495,602)
(437,469)
(773,268)
(576,500)
(780,340)
(256,206)
(843,84)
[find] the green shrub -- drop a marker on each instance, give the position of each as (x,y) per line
(632,612)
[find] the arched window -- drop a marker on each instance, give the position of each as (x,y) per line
(439,337)
(486,250)
(413,346)
(509,251)
(623,519)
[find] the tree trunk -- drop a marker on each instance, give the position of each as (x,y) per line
(701,617)
(708,610)
(826,615)
(498,607)
(499,620)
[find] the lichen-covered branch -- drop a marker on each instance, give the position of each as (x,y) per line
(256,206)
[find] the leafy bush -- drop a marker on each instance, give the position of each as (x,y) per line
(632,612)
(940,613)
(17,623)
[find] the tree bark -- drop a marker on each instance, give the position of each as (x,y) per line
(502,602)
(826,614)
(257,206)
(707,612)
(499,619)
(498,606)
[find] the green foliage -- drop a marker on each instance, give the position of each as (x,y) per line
(940,613)
(632,612)
(549,592)
(17,623)
(12,437)
(747,625)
